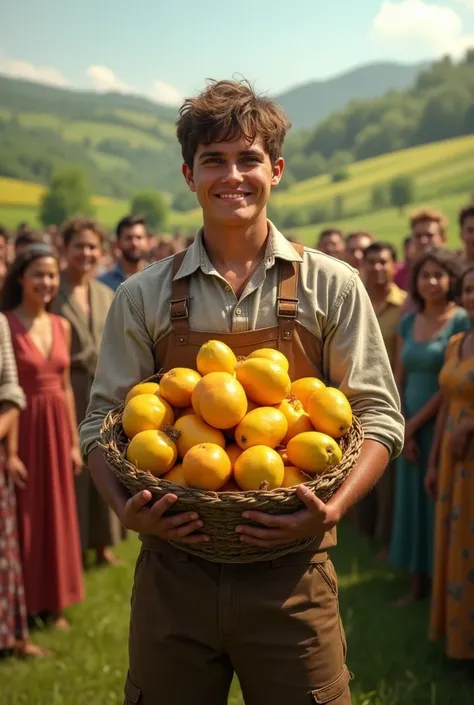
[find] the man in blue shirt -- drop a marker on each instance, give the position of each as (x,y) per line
(133,241)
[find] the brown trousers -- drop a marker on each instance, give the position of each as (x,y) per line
(194,623)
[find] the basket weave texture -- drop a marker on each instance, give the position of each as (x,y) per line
(221,512)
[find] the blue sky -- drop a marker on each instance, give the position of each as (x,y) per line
(167,49)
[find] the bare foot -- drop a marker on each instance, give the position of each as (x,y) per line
(25,649)
(106,557)
(60,623)
(406,599)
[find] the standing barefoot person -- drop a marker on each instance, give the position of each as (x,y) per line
(423,337)
(450,481)
(84,302)
(47,442)
(275,623)
(13,622)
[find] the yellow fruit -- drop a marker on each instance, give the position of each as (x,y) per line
(264,426)
(313,452)
(304,387)
(272,355)
(176,386)
(142,388)
(330,412)
(176,475)
(153,451)
(184,412)
(264,381)
(194,430)
(294,476)
(297,418)
(144,412)
(258,468)
(233,451)
(220,400)
(207,467)
(215,356)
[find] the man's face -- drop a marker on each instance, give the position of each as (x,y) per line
(426,233)
(332,244)
(233,180)
(467,233)
(355,249)
(133,243)
(379,268)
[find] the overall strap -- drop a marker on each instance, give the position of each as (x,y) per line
(287,301)
(179,303)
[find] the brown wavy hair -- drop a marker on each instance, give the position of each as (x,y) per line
(77,224)
(227,110)
(12,292)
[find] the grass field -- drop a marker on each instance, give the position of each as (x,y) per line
(443,173)
(389,654)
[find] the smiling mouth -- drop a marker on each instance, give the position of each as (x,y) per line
(233,196)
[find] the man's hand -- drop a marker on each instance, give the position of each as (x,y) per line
(314,520)
(149,520)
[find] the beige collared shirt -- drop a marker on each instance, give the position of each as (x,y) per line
(388,317)
(333,305)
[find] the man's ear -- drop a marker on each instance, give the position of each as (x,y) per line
(188,175)
(278,169)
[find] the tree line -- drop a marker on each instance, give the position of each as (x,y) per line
(439,106)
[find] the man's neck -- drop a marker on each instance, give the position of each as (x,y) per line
(130,268)
(238,248)
(378,292)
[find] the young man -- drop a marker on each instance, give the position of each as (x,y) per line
(275,623)
(134,243)
(428,229)
(375,512)
(332,243)
(466,225)
(356,244)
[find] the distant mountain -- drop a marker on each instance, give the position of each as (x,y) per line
(308,104)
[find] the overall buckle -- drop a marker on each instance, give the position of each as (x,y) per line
(292,307)
(179,309)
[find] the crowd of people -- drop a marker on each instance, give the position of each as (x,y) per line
(56,289)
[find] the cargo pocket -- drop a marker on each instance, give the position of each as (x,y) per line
(132,693)
(336,693)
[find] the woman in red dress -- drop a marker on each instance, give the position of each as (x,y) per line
(47,442)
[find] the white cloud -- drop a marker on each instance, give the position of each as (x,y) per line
(164,93)
(434,28)
(31,72)
(104,80)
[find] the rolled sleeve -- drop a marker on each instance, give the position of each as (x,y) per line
(125,358)
(356,361)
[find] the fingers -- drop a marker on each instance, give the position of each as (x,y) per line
(161,506)
(313,503)
(195,538)
(260,533)
(265,519)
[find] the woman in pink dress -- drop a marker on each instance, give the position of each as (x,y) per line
(47,442)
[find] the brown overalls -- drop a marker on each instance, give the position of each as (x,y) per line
(276,623)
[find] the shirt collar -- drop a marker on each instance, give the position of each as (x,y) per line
(395,296)
(278,247)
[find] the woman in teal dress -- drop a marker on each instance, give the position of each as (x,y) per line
(423,337)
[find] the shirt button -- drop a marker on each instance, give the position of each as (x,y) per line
(227,287)
(238,311)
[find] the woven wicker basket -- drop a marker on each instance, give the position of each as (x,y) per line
(221,512)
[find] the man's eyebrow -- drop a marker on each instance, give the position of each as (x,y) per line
(217,153)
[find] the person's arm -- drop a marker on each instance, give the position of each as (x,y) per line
(8,413)
(425,414)
(71,404)
(126,358)
(399,373)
